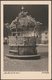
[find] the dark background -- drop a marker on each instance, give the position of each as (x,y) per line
(39,12)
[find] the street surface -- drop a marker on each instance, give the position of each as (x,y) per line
(27,65)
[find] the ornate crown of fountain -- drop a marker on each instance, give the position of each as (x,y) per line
(23,12)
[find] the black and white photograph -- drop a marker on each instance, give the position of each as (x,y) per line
(26,33)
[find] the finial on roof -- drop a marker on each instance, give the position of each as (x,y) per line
(22,7)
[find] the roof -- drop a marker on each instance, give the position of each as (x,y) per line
(23,21)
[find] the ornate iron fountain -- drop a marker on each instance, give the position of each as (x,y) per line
(22,41)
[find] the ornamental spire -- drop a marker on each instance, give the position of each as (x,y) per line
(22,8)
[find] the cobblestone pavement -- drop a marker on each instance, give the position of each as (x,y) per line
(27,65)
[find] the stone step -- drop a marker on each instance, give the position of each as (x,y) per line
(23,56)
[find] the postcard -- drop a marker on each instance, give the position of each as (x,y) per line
(25,40)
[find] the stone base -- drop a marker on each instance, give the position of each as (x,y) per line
(23,50)
(23,56)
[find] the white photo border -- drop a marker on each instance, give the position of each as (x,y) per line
(27,74)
